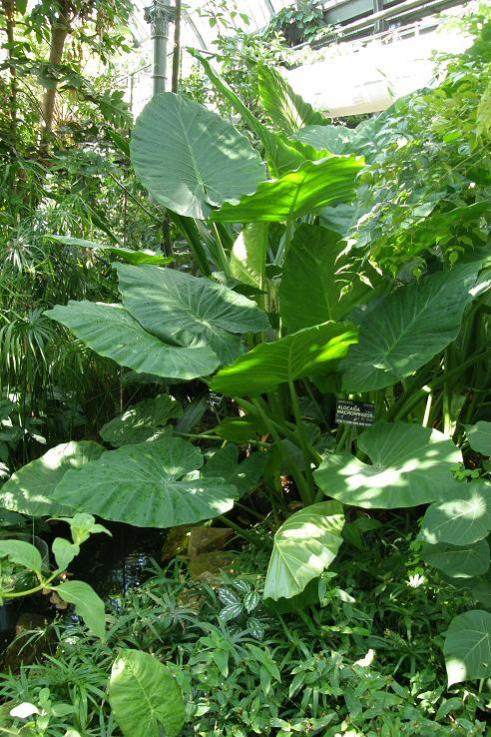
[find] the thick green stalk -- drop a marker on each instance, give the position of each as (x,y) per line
(302,484)
(307,450)
(251,537)
(222,256)
(415,396)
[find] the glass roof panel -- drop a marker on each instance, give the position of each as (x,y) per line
(197,13)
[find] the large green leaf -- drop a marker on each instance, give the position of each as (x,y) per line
(479,437)
(287,110)
(245,475)
(461,517)
(30,489)
(87,603)
(186,309)
(410,465)
(467,647)
(145,698)
(282,154)
(190,159)
(456,561)
(334,138)
(141,421)
(154,484)
(248,256)
(309,352)
(112,332)
(304,546)
(125,254)
(408,328)
(312,290)
(307,190)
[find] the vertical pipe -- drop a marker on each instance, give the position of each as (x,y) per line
(380,25)
(159,15)
(176,57)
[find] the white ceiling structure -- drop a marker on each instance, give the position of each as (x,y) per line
(367,77)
(353,76)
(196,24)
(197,32)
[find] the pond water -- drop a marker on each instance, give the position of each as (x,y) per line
(111,565)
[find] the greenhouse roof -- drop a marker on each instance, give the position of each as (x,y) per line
(365,74)
(197,28)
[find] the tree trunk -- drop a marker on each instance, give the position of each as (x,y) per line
(59,34)
(9,12)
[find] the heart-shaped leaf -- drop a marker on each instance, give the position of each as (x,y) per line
(334,138)
(186,309)
(312,290)
(304,546)
(112,332)
(283,155)
(479,437)
(245,475)
(410,465)
(309,352)
(190,159)
(154,484)
(456,561)
(408,328)
(141,421)
(461,517)
(145,698)
(313,186)
(467,647)
(30,489)
(287,110)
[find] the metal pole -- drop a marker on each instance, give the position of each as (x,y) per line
(159,15)
(380,25)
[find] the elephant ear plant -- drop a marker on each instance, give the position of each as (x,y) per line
(313,329)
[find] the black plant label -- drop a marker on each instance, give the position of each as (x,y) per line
(354,413)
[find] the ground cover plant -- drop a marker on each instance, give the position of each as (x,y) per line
(325,277)
(364,661)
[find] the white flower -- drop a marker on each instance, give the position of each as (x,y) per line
(416,580)
(25,710)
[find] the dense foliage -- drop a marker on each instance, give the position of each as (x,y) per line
(308,364)
(62,170)
(365,661)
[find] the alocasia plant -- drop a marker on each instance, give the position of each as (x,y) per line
(313,328)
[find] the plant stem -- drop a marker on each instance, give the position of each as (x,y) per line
(222,256)
(302,437)
(209,436)
(414,396)
(251,537)
(302,485)
(447,415)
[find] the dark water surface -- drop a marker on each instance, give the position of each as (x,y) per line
(111,565)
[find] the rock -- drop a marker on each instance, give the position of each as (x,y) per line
(209,566)
(175,543)
(30,621)
(208,539)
